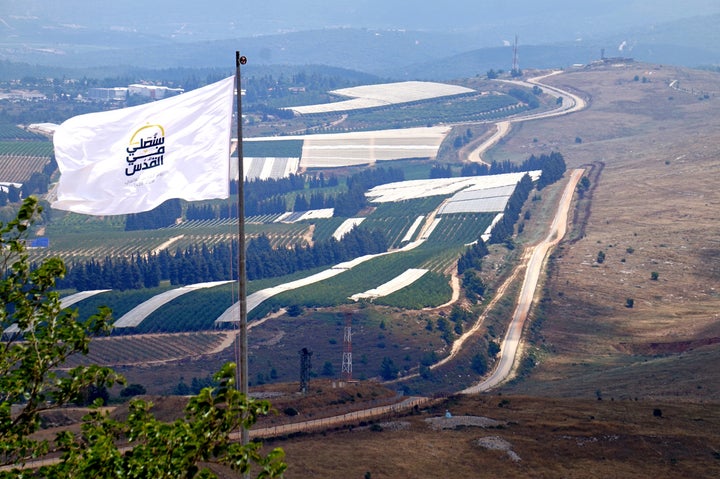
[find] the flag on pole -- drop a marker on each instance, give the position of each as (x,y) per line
(133,159)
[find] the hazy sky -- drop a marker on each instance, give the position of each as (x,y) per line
(236,18)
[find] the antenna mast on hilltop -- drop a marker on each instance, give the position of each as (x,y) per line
(515,66)
(347,349)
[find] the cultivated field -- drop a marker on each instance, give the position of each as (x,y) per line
(361,148)
(399,282)
(373,96)
(651,210)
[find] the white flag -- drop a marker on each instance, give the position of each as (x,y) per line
(133,159)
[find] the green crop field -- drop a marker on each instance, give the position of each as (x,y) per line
(324,229)
(466,108)
(194,311)
(118,243)
(198,310)
(368,275)
(119,301)
(461,228)
(395,219)
(42,148)
(432,289)
(76,237)
(10,132)
(22,154)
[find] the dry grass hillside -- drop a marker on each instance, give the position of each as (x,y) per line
(521,437)
(654,215)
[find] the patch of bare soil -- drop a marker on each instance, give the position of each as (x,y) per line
(496,443)
(454,422)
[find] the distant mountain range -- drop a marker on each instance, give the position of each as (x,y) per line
(387,53)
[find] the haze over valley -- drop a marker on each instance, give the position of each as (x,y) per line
(395,40)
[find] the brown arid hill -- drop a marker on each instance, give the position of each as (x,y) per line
(651,134)
(491,436)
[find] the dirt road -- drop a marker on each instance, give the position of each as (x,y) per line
(537,255)
(503,128)
(570,102)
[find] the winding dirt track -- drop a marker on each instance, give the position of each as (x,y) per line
(535,261)
(570,103)
(503,128)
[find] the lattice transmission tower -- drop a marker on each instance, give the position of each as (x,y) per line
(346,371)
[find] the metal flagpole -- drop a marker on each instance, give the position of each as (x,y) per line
(241,342)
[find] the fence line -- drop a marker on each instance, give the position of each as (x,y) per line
(388,411)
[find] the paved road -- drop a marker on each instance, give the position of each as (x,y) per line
(571,103)
(513,337)
(503,127)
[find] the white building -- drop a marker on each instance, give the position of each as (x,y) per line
(153,91)
(108,94)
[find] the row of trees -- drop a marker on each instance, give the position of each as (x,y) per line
(551,165)
(270,196)
(469,265)
(505,228)
(439,171)
(470,262)
(264,261)
(349,203)
(317,201)
(162,216)
(193,265)
(525,96)
(197,264)
(270,186)
(553,168)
